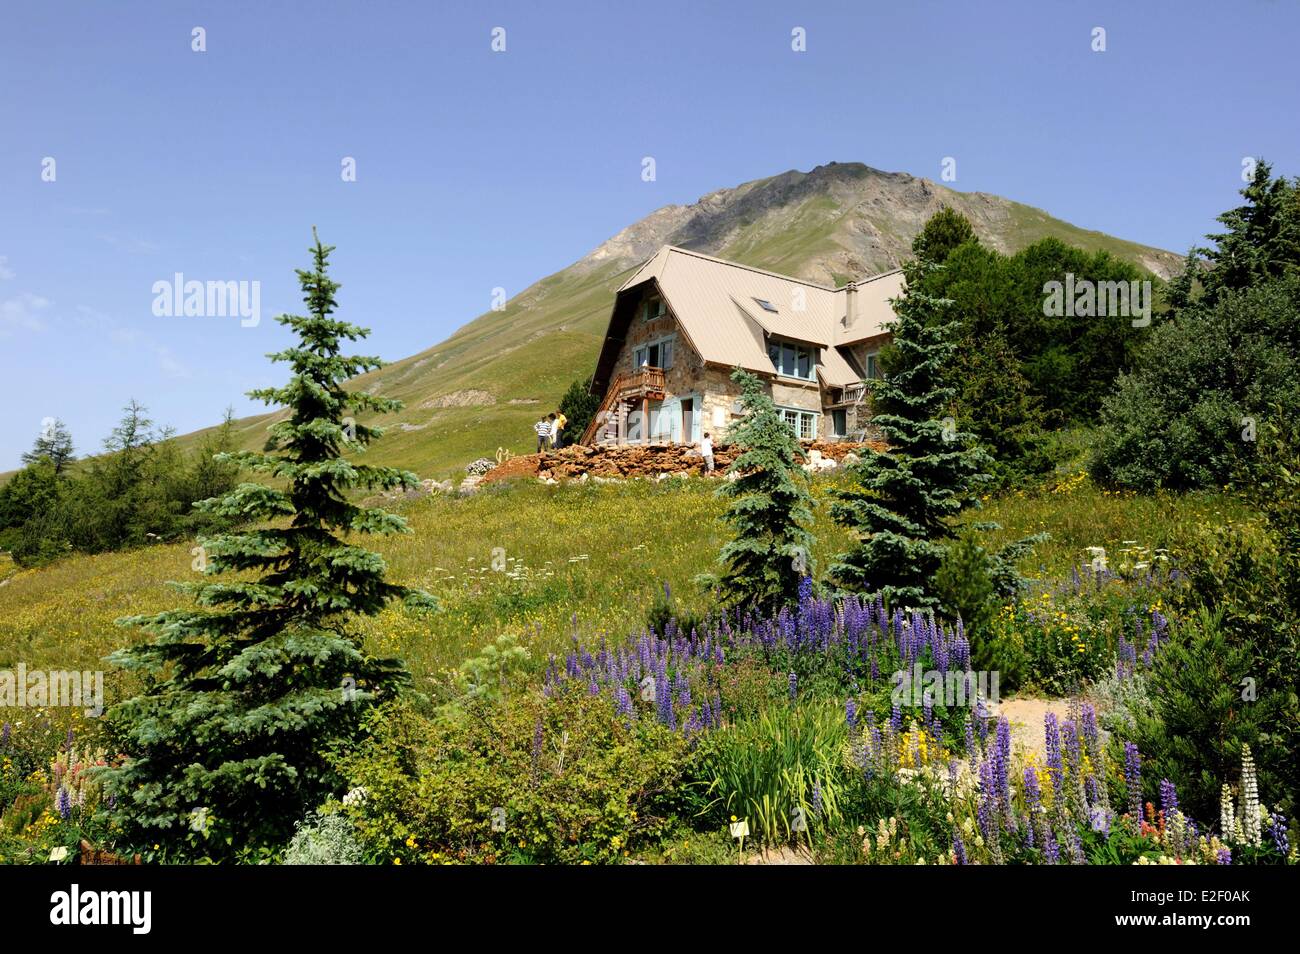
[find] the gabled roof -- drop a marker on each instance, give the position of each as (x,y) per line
(718,305)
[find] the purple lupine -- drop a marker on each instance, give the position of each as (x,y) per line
(817,798)
(987,811)
(1076,847)
(1088,730)
(4,734)
(1133,779)
(982,721)
(1223,856)
(1050,848)
(851,714)
(1052,734)
(1002,763)
(1032,791)
(896,720)
(64,803)
(1099,819)
(623,704)
(794,686)
(958,849)
(970,743)
(1277,831)
(1073,749)
(664,702)
(1168,797)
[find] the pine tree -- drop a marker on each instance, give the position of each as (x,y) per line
(245,695)
(770,506)
(901,501)
(55,443)
(1183,285)
(1262,240)
(578,406)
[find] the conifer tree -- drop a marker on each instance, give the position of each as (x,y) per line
(227,745)
(53,442)
(770,507)
(900,501)
(1262,237)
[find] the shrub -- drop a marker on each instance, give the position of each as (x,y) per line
(1057,647)
(548,779)
(1198,719)
(1179,420)
(324,840)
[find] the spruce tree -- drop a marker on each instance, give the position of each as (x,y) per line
(900,502)
(245,695)
(53,442)
(770,507)
(578,406)
(1262,237)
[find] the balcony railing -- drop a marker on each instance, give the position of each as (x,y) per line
(850,395)
(644,382)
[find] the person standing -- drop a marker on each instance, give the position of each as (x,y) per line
(557,427)
(706,451)
(543,429)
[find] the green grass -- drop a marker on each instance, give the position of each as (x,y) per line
(585,559)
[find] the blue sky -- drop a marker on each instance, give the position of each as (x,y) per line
(478,170)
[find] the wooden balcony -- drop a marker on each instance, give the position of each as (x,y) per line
(645,382)
(850,396)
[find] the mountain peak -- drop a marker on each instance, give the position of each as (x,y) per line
(840,220)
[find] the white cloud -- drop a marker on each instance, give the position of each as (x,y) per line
(23,313)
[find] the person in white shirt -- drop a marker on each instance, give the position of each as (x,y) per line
(543,429)
(706,451)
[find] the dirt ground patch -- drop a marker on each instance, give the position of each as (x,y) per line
(1025,717)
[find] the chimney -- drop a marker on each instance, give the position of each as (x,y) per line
(850,304)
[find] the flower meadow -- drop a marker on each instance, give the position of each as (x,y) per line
(560,715)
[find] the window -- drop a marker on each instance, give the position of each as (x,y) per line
(839,422)
(873,366)
(767,306)
(793,360)
(653,308)
(803,423)
(656,354)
